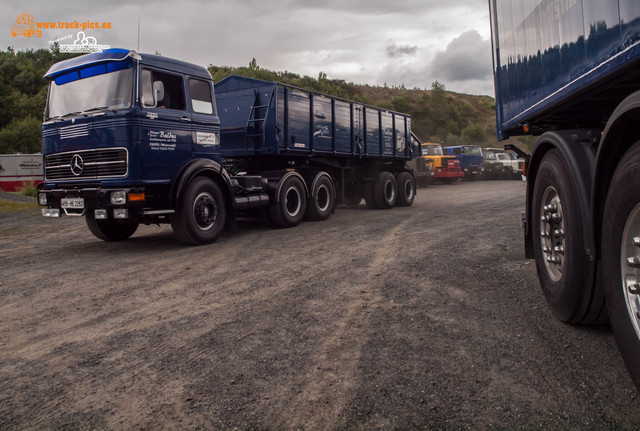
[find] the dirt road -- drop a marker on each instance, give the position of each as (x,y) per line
(412,317)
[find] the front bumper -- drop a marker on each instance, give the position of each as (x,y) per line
(473,170)
(448,174)
(88,200)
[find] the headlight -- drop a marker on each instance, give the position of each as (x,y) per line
(50,212)
(42,199)
(120,213)
(119,197)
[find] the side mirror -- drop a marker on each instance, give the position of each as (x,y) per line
(158,92)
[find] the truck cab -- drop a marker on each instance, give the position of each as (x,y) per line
(445,168)
(120,132)
(470,157)
(499,163)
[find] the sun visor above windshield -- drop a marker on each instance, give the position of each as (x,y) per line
(109,59)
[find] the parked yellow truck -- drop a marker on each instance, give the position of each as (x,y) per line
(445,168)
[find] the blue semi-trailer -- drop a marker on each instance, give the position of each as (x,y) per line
(134,138)
(568,71)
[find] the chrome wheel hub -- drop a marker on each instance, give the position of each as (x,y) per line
(552,233)
(205,211)
(630,267)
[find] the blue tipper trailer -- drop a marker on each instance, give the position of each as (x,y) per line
(568,71)
(261,118)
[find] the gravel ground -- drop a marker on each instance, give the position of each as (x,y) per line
(421,317)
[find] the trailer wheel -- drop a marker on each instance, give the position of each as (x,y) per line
(289,208)
(406,189)
(201,214)
(621,257)
(558,246)
(385,190)
(110,230)
(321,202)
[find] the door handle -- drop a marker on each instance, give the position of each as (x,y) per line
(185,118)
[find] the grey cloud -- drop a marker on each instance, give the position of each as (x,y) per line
(372,41)
(393,50)
(468,57)
(385,6)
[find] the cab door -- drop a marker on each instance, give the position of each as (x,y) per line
(165,132)
(205,124)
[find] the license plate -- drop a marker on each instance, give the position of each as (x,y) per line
(72,203)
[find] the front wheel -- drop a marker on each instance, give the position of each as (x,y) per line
(621,258)
(201,214)
(110,230)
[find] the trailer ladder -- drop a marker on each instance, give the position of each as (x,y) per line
(256,122)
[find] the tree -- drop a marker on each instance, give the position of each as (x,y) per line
(21,136)
(438,92)
(473,134)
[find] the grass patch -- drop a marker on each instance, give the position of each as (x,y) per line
(29,189)
(6,206)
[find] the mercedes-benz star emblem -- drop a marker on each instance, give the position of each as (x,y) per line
(77,165)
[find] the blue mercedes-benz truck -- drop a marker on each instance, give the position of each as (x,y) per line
(568,71)
(134,138)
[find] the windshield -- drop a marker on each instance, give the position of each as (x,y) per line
(432,150)
(473,150)
(74,93)
(489,155)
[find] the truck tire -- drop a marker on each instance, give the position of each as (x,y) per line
(385,190)
(620,253)
(558,244)
(201,214)
(110,230)
(289,207)
(406,189)
(321,202)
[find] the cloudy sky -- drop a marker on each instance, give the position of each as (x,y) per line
(410,42)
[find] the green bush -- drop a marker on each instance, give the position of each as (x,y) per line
(29,189)
(21,136)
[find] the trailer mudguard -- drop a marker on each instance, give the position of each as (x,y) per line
(577,150)
(621,132)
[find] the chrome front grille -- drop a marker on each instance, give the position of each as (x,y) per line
(87,164)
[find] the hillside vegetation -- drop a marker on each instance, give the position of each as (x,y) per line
(437,115)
